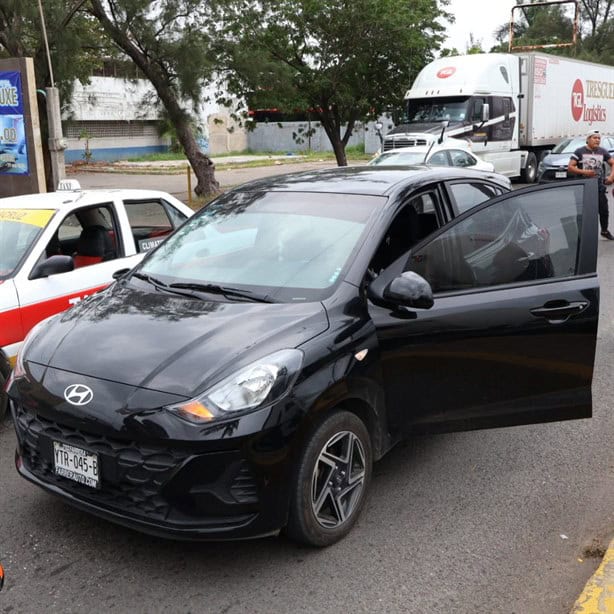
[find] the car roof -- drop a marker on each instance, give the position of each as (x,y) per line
(370,180)
(67,199)
(445,146)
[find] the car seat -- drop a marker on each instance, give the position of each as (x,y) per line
(94,246)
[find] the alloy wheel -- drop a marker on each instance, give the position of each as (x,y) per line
(338,480)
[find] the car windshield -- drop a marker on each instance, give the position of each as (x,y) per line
(569,146)
(274,246)
(19,229)
(399,158)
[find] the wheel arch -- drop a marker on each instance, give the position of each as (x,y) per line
(361,397)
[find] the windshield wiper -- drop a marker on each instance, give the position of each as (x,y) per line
(217,289)
(152,280)
(160,285)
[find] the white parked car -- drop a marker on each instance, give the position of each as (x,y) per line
(59,247)
(452,152)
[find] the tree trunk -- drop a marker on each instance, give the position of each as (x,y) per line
(332,130)
(154,70)
(201,164)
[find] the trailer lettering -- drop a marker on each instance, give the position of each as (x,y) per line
(600,89)
(594,114)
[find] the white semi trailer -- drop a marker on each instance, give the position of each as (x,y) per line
(513,107)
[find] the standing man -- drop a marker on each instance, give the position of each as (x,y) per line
(588,161)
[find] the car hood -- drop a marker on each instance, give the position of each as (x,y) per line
(556,159)
(169,343)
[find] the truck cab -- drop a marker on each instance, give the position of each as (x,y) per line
(478,96)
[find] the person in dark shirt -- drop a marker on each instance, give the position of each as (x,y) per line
(589,161)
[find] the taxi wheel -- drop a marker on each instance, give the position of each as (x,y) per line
(333,477)
(5,370)
(4,400)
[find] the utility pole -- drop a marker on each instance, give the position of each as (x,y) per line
(57,143)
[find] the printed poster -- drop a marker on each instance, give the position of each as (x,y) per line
(13,144)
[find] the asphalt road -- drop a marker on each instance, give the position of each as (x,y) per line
(487,521)
(177,184)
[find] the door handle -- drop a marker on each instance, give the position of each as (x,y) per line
(559,310)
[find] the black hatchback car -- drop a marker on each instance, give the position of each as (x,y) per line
(246,375)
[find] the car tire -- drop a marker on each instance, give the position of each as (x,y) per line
(4,400)
(529,172)
(331,481)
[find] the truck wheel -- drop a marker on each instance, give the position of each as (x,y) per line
(334,471)
(529,172)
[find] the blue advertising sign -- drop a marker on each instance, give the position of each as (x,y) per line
(13,149)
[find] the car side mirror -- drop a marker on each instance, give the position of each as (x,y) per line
(120,273)
(410,290)
(52,266)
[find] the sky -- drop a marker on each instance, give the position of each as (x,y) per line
(479,17)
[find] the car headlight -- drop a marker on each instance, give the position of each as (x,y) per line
(259,384)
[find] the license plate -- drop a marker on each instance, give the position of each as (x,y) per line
(76,464)
(560,174)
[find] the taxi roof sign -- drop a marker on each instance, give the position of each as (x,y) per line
(69,185)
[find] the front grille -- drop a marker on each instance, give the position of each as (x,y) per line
(402,141)
(179,487)
(134,474)
(244,488)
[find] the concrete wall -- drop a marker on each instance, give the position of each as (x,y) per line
(112,100)
(225,134)
(291,136)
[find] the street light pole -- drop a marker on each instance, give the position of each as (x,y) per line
(57,143)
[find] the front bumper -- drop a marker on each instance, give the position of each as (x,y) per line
(549,174)
(176,489)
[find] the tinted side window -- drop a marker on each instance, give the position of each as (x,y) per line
(461,158)
(415,221)
(468,195)
(88,235)
(439,159)
(523,238)
(150,223)
(177,217)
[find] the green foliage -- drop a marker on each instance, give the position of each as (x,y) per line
(547,25)
(167,36)
(342,60)
(76,42)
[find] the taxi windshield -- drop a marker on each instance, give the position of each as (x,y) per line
(19,229)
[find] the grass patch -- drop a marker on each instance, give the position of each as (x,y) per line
(160,156)
(355,152)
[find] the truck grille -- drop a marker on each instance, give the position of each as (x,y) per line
(392,142)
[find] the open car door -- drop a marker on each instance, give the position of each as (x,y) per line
(510,338)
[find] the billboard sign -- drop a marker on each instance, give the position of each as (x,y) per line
(13,142)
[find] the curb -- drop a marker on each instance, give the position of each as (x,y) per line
(598,594)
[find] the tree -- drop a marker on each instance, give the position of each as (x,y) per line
(75,42)
(166,40)
(340,60)
(553,24)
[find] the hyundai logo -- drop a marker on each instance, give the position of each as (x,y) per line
(78,394)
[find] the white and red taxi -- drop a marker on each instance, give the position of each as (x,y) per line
(57,248)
